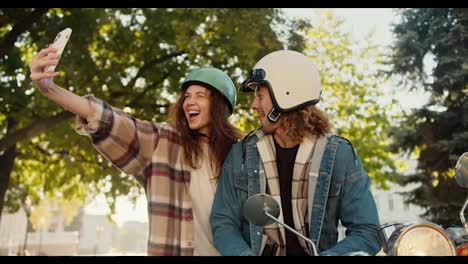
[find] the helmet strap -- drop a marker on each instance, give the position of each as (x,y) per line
(273,115)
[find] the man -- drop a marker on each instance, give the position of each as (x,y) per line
(315,176)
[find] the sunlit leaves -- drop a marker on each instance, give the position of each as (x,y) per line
(41,215)
(352,93)
(132,58)
(69,209)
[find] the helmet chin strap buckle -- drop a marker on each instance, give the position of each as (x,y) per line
(273,115)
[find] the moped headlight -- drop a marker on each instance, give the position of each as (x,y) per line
(420,240)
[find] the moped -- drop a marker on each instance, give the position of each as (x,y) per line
(397,239)
(426,238)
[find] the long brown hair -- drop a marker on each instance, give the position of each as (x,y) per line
(306,119)
(222,133)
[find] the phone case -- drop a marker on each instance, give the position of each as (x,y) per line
(59,43)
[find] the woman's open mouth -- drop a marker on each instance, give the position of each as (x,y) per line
(192,115)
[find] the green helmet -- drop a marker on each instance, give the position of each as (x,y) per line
(216,79)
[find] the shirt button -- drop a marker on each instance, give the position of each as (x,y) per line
(255,171)
(258,233)
(189,243)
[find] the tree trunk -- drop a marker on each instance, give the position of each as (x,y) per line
(6,163)
(8,145)
(36,128)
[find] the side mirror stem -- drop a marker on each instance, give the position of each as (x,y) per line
(462,216)
(292,230)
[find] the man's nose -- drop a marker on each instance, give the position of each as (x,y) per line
(254,105)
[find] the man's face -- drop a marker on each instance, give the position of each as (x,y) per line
(197,108)
(262,105)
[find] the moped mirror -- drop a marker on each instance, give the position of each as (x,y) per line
(262,209)
(256,206)
(461,176)
(461,171)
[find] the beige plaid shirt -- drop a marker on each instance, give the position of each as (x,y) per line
(151,152)
(274,233)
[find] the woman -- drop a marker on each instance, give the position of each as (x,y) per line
(178,164)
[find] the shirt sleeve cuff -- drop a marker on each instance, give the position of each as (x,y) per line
(99,122)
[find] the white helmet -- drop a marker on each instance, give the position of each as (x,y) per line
(292,78)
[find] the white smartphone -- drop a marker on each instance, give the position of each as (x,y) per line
(59,43)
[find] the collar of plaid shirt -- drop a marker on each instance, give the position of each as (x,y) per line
(269,171)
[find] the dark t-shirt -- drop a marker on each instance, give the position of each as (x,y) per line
(285,159)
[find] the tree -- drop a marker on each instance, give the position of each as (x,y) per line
(352,94)
(437,133)
(132,58)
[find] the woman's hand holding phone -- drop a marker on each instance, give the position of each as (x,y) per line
(43,64)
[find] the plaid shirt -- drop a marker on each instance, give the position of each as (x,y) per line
(274,232)
(152,154)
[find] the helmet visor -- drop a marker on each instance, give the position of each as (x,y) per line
(256,77)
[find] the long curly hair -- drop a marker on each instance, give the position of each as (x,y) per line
(306,119)
(223,134)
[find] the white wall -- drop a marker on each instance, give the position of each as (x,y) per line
(96,234)
(391,205)
(12,232)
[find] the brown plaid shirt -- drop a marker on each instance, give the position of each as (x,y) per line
(274,232)
(151,152)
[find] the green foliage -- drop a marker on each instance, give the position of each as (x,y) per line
(352,94)
(437,132)
(132,58)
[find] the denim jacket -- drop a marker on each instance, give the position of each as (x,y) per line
(341,194)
